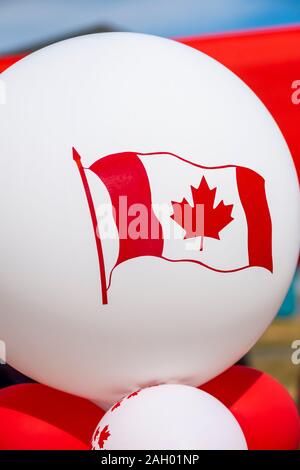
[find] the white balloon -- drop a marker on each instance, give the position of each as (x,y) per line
(165,322)
(170,417)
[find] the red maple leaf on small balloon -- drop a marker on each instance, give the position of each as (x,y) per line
(117,405)
(133,394)
(213,219)
(104,435)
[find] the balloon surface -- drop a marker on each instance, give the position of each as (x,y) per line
(36,417)
(91,301)
(264,409)
(168,417)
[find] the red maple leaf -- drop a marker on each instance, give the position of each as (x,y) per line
(104,435)
(119,403)
(116,405)
(214,219)
(133,394)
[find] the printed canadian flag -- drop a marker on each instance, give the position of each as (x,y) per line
(163,205)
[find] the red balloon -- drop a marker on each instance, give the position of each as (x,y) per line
(262,406)
(36,417)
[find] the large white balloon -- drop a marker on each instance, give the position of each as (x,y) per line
(165,322)
(171,417)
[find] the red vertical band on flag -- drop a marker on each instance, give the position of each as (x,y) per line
(127,183)
(251,187)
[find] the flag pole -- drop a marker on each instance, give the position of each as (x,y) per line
(77,159)
(201,243)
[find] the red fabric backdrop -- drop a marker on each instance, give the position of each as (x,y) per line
(268,61)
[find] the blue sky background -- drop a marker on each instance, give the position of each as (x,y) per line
(23,22)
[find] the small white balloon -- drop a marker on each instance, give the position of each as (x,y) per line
(170,417)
